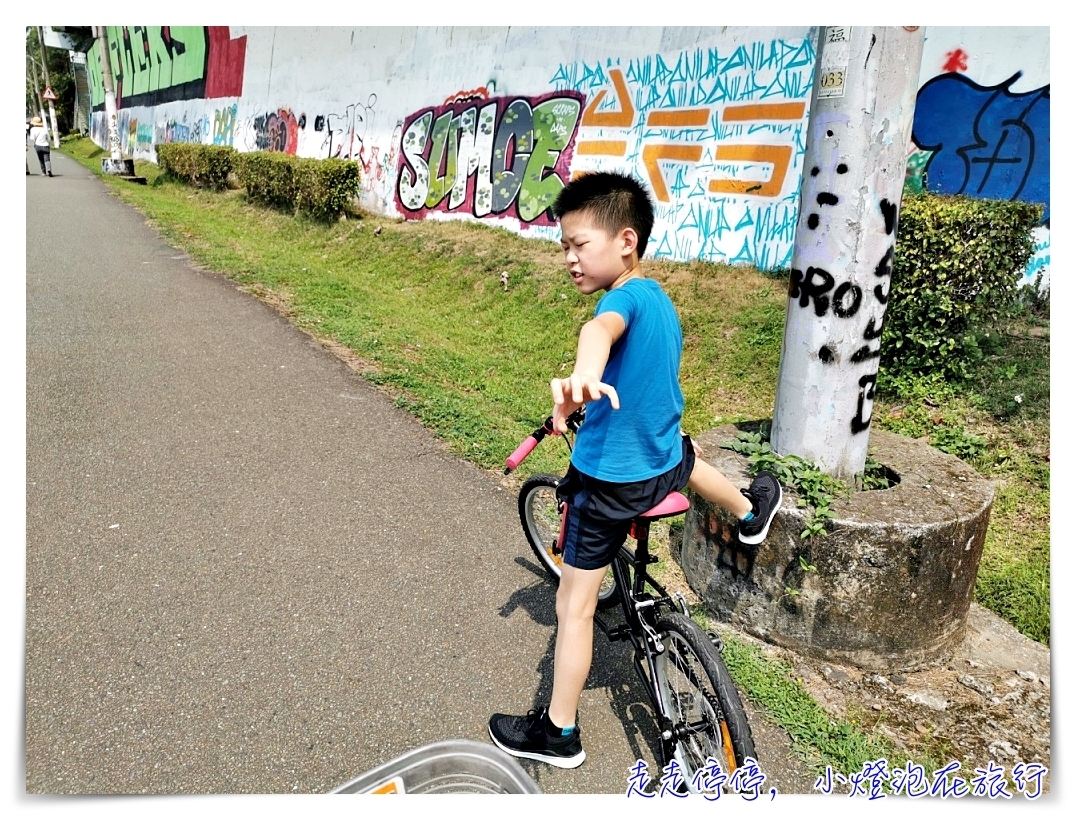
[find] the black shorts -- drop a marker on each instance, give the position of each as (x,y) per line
(600,513)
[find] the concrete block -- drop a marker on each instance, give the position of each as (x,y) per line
(887,589)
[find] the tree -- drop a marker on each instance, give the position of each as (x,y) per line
(60,75)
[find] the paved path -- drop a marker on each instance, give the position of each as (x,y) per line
(246,570)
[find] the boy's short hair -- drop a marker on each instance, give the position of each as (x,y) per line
(614,201)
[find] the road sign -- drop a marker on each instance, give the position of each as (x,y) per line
(49,94)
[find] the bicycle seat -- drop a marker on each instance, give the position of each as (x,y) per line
(673,504)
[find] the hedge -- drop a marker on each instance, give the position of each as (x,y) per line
(206,166)
(321,188)
(957,268)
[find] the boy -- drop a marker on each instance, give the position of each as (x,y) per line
(630,452)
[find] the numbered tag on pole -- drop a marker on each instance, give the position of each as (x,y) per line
(833,62)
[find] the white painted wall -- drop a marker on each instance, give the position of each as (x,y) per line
(728,188)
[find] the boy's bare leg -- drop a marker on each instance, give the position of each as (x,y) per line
(577,599)
(711,484)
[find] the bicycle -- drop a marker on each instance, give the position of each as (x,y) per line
(699,712)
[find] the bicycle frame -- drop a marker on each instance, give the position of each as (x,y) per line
(641,611)
(667,660)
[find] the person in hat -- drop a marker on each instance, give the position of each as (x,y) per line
(39,138)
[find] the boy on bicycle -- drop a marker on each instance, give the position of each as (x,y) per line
(629,454)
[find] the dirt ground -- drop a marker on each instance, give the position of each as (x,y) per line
(989,703)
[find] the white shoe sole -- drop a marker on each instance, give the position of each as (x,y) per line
(559,762)
(761,536)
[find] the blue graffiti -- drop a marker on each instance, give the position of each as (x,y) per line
(988,143)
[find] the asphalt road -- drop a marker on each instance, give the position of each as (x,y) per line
(247,571)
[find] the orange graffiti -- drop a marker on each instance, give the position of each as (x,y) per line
(620,119)
(779,155)
(613,148)
(678,119)
(678,153)
(763,111)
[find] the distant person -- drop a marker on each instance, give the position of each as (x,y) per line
(39,138)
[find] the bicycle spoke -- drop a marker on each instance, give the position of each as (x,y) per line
(708,722)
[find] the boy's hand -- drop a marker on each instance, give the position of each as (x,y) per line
(571,393)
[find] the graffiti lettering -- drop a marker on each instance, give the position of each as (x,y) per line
(277,131)
(152,65)
(224,125)
(718,133)
(805,288)
(840,306)
(884,270)
(488,155)
(889,214)
(865,401)
(986,141)
(847,298)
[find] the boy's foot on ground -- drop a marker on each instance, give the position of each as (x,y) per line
(527,737)
(765,497)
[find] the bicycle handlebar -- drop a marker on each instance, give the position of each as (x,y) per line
(521,452)
(530,442)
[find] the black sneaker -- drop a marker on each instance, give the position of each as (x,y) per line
(765,497)
(527,737)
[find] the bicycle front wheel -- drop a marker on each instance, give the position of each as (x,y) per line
(699,697)
(540,515)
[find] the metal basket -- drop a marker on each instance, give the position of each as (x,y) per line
(446,767)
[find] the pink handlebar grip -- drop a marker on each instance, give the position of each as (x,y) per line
(522,451)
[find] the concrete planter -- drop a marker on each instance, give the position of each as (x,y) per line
(890,585)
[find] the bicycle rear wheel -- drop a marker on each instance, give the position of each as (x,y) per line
(540,514)
(697,694)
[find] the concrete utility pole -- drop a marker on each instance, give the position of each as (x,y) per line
(853,176)
(48,84)
(37,90)
(111,112)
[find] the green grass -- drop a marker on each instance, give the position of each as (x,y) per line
(422,305)
(817,737)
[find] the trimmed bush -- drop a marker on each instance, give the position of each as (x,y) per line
(320,188)
(269,178)
(206,166)
(957,270)
(326,186)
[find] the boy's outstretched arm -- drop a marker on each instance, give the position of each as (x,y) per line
(596,339)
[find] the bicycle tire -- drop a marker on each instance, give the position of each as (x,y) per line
(698,695)
(539,513)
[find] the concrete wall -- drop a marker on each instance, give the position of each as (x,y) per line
(488,123)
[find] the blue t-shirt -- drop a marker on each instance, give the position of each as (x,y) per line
(642,438)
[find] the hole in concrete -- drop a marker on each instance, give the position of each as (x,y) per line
(877,477)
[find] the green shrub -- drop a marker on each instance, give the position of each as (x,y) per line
(325,187)
(206,166)
(957,269)
(321,188)
(268,177)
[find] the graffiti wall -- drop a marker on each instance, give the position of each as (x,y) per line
(982,121)
(490,123)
